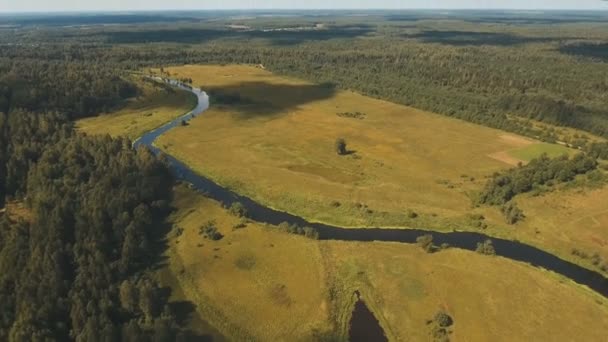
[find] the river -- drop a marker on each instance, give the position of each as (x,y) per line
(465,240)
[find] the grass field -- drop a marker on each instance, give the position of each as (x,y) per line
(489,298)
(258,283)
(254,283)
(151,109)
(277,146)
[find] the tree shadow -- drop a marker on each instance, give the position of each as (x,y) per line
(261,99)
(464,38)
(597,51)
(287,36)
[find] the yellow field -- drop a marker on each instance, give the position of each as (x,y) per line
(254,283)
(260,284)
(279,150)
(153,108)
(489,298)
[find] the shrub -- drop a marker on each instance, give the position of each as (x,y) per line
(512,213)
(426,242)
(412,214)
(209,231)
(311,233)
(340,146)
(238,209)
(308,232)
(443,319)
(485,247)
(440,328)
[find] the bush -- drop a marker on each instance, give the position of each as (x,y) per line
(341,146)
(440,326)
(443,319)
(485,247)
(412,214)
(209,231)
(238,209)
(512,213)
(308,232)
(311,233)
(426,242)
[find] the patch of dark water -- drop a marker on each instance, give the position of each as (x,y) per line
(364,326)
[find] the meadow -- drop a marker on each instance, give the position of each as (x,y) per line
(259,283)
(277,146)
(405,168)
(255,283)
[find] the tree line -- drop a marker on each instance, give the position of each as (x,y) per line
(79,267)
(539,172)
(484,82)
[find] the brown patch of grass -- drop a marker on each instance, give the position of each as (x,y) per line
(506,158)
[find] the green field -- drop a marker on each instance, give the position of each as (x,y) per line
(533,151)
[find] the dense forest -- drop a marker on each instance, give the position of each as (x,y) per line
(484,71)
(77,265)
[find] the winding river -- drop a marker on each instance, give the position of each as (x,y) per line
(465,240)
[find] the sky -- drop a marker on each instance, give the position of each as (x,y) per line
(130,5)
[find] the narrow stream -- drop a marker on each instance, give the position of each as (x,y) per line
(465,240)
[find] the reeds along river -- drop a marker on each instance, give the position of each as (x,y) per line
(465,240)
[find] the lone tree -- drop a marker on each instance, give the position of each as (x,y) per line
(341,146)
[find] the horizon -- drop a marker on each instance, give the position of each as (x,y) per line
(179,10)
(112,6)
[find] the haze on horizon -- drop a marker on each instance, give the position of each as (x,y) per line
(151,5)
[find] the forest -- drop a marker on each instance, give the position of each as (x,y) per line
(481,72)
(77,265)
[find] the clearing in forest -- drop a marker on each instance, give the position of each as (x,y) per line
(273,139)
